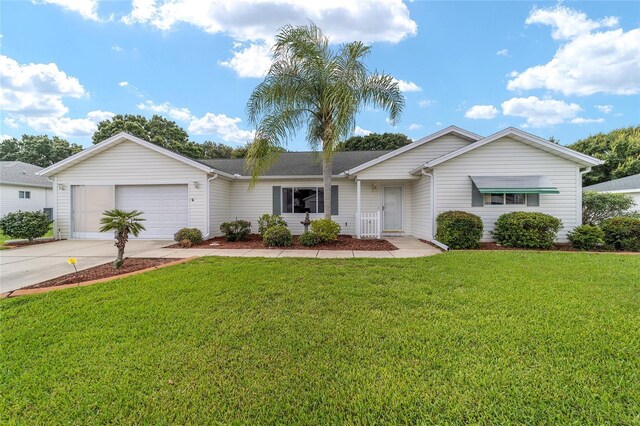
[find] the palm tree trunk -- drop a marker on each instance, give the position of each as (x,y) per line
(118,262)
(326,176)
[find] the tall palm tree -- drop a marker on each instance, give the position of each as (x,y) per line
(310,85)
(122,223)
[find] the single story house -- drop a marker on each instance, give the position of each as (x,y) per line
(22,189)
(629,185)
(374,193)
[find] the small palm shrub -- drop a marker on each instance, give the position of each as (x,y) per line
(459,230)
(193,235)
(308,239)
(29,225)
(586,237)
(238,230)
(622,233)
(527,230)
(325,229)
(122,223)
(267,220)
(277,236)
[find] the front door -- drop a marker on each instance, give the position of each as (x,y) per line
(392,208)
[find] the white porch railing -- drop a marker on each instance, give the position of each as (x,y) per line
(369,225)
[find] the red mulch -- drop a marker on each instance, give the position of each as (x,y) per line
(102,271)
(344,242)
(27,243)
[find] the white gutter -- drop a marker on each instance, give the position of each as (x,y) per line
(579,197)
(433,204)
(442,246)
(208,208)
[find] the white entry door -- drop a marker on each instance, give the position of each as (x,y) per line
(165,207)
(392,208)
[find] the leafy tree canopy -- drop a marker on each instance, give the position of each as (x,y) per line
(40,150)
(374,142)
(620,150)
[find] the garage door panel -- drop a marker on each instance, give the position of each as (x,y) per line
(164,207)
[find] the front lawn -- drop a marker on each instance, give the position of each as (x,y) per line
(462,337)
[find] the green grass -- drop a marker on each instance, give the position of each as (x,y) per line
(4,238)
(463,337)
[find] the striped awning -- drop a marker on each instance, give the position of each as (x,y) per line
(514,185)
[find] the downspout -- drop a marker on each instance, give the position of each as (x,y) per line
(208,197)
(54,194)
(433,211)
(579,202)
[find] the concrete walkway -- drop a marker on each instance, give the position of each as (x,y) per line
(24,266)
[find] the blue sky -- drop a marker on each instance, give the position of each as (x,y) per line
(554,69)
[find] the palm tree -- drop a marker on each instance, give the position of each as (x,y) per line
(310,85)
(122,223)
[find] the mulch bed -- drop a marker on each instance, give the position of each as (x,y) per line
(27,243)
(102,271)
(344,242)
(556,247)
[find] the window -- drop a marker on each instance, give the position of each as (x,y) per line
(303,200)
(502,199)
(24,194)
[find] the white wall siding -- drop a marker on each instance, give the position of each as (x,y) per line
(11,202)
(421,208)
(219,204)
(131,164)
(399,166)
(510,158)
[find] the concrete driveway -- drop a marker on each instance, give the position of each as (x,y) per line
(24,266)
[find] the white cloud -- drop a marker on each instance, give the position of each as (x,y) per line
(11,122)
(68,127)
(256,20)
(502,52)
(117,48)
(438,123)
(589,62)
(123,84)
(426,103)
(251,61)
(481,112)
(581,120)
(415,126)
(606,109)
(407,86)
(359,131)
(181,114)
(5,137)
(540,112)
(224,127)
(88,9)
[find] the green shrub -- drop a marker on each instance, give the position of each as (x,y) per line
(622,233)
(238,230)
(193,235)
(326,230)
(459,230)
(267,220)
(527,229)
(598,206)
(29,225)
(308,239)
(586,237)
(277,236)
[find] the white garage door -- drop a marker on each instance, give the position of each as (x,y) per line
(165,207)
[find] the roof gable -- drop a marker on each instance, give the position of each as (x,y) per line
(622,184)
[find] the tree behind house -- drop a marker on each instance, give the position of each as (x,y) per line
(374,142)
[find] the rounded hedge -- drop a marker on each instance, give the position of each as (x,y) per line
(237,230)
(308,239)
(267,220)
(527,230)
(459,230)
(193,235)
(326,230)
(622,233)
(277,236)
(28,225)
(586,237)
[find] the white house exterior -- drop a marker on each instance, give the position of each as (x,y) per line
(629,185)
(22,189)
(374,192)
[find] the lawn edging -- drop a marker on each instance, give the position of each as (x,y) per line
(26,292)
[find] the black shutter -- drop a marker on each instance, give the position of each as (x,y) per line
(277,202)
(477,199)
(334,199)
(533,200)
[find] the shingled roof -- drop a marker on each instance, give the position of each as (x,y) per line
(629,182)
(298,163)
(19,173)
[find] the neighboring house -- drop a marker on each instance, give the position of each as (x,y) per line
(374,192)
(629,185)
(22,189)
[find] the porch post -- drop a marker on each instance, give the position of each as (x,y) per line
(358,220)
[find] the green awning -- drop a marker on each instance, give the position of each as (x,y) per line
(514,185)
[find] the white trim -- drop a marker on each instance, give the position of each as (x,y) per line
(119,138)
(614,191)
(278,177)
(432,202)
(451,129)
(384,210)
(358,206)
(518,136)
